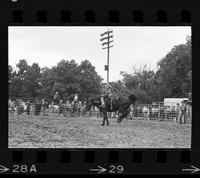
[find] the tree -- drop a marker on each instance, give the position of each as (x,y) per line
(90,81)
(173,77)
(141,82)
(174,74)
(13,82)
(47,80)
(32,81)
(68,78)
(16,79)
(22,67)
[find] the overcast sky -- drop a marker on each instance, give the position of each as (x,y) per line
(132,46)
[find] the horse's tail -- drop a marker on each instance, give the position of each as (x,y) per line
(132,98)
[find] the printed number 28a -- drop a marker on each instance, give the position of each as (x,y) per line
(116,169)
(24,169)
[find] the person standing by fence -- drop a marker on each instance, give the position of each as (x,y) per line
(183,112)
(189,108)
(190,99)
(76,97)
(28,107)
(56,99)
(178,110)
(55,104)
(61,107)
(75,105)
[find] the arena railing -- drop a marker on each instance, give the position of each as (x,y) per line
(43,107)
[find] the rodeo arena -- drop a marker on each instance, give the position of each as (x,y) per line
(83,112)
(51,123)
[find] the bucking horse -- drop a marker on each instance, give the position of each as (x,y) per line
(120,104)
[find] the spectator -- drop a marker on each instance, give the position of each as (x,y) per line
(61,107)
(189,108)
(75,97)
(189,99)
(132,111)
(9,102)
(183,112)
(161,115)
(178,109)
(19,107)
(150,112)
(28,107)
(145,111)
(38,107)
(56,99)
(174,113)
(11,106)
(45,106)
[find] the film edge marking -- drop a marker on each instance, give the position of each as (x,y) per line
(99,170)
(193,169)
(3,169)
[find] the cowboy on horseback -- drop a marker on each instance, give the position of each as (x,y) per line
(106,92)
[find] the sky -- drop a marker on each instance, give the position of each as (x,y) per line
(133,46)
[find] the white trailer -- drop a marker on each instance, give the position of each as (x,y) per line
(173,101)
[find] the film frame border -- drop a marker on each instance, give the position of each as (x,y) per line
(26,14)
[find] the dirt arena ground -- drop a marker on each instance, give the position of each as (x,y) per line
(61,132)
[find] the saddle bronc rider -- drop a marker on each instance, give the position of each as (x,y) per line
(106,92)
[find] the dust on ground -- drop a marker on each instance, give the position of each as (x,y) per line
(62,132)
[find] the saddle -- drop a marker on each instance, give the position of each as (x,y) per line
(111,100)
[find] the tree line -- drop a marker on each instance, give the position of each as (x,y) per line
(173,78)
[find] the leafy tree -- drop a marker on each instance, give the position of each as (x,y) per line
(46,83)
(32,81)
(69,78)
(90,81)
(174,73)
(22,67)
(141,82)
(66,78)
(173,78)
(16,79)
(13,82)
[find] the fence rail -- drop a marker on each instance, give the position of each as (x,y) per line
(156,111)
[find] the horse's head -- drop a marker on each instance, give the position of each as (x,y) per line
(132,98)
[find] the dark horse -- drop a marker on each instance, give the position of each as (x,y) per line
(120,104)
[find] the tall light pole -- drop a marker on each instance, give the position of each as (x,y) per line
(106,39)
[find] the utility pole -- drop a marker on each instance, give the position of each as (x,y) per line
(106,39)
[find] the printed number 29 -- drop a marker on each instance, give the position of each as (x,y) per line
(116,169)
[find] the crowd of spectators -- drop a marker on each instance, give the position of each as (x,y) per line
(181,113)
